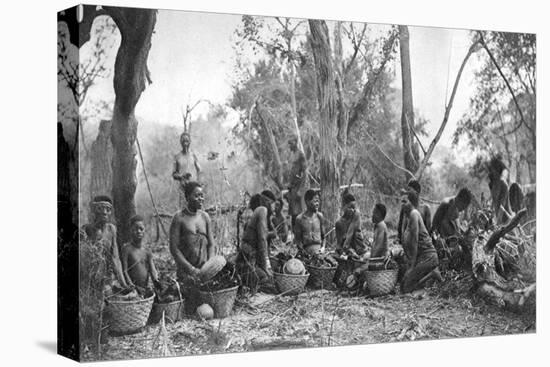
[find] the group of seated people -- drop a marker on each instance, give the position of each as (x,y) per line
(191,242)
(416,233)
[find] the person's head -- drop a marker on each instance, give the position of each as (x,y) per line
(194,195)
(463,199)
(185,141)
(102,207)
(495,168)
(137,228)
(349,204)
(409,201)
(415,185)
(311,199)
(258,200)
(378,213)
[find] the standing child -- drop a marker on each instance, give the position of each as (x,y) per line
(137,262)
(380,238)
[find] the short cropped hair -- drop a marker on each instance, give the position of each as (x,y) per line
(101,198)
(310,194)
(190,187)
(381,208)
(136,218)
(415,185)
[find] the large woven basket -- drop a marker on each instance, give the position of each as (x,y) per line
(221,301)
(321,277)
(290,284)
(381,282)
(173,311)
(128,316)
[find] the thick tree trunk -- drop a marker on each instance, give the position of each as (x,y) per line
(410,151)
(136,28)
(326,97)
(101,162)
(277,175)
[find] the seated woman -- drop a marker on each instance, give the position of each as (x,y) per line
(422,261)
(348,228)
(191,242)
(253,258)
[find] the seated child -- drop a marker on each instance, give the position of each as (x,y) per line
(380,238)
(137,262)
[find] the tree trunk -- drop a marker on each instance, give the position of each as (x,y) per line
(278,166)
(131,73)
(410,151)
(326,97)
(101,162)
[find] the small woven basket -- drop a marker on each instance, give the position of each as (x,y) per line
(320,277)
(128,316)
(221,301)
(290,284)
(381,282)
(173,311)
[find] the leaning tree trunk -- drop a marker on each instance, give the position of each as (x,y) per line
(131,73)
(101,157)
(326,97)
(410,150)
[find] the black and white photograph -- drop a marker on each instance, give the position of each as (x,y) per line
(240,183)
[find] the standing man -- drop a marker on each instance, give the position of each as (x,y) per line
(185,164)
(499,191)
(298,182)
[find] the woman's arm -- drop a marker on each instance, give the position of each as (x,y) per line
(261,232)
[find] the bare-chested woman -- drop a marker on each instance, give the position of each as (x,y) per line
(191,241)
(421,256)
(253,259)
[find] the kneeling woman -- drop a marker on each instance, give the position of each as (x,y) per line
(191,242)
(421,256)
(253,258)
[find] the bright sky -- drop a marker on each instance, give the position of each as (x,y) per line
(192,58)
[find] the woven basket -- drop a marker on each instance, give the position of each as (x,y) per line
(320,277)
(221,301)
(381,282)
(173,311)
(290,284)
(128,316)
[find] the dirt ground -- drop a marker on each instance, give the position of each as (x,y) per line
(318,318)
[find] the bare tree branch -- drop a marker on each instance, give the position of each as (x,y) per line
(473,48)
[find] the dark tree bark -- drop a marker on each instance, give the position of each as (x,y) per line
(326,97)
(101,158)
(410,151)
(131,74)
(277,175)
